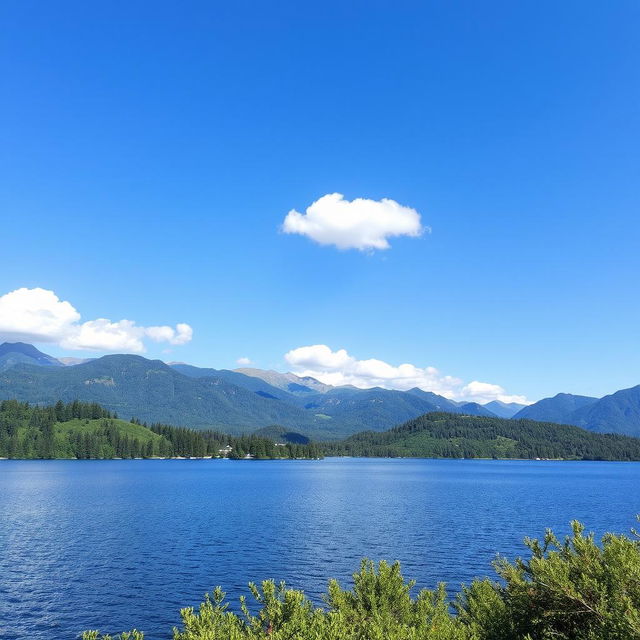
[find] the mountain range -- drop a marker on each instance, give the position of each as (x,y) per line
(244,400)
(615,413)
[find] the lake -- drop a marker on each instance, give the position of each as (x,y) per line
(120,544)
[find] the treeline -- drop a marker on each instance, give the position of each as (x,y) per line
(106,440)
(575,589)
(447,435)
(87,431)
(187,442)
(29,431)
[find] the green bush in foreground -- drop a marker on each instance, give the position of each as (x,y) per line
(575,589)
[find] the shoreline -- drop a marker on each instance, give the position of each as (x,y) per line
(214,458)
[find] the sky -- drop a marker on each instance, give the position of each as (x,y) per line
(441,194)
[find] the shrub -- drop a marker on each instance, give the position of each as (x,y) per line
(574,589)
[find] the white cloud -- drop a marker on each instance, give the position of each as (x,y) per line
(243,362)
(357,224)
(180,335)
(477,389)
(35,315)
(38,315)
(340,368)
(104,335)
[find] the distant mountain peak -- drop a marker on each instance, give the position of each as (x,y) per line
(287,381)
(12,353)
(69,361)
(560,408)
(504,409)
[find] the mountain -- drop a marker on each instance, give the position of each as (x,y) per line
(188,396)
(504,409)
(440,402)
(12,353)
(347,406)
(153,392)
(257,385)
(287,381)
(375,408)
(475,409)
(557,409)
(451,406)
(231,401)
(448,435)
(70,362)
(616,413)
(244,400)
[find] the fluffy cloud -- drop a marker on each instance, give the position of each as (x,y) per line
(35,315)
(340,368)
(357,224)
(243,362)
(38,315)
(180,335)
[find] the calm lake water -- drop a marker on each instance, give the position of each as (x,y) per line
(121,544)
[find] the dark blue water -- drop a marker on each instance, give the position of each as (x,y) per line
(121,544)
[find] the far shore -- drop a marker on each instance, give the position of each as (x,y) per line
(317,459)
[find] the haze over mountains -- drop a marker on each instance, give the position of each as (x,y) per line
(245,400)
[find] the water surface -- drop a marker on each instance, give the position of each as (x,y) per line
(121,544)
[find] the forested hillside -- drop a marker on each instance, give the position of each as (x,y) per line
(87,431)
(618,412)
(208,399)
(154,392)
(446,435)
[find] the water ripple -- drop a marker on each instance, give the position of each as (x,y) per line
(118,544)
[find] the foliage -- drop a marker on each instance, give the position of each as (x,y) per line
(571,590)
(188,442)
(446,435)
(87,431)
(575,589)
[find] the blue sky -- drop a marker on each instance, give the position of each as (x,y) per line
(151,151)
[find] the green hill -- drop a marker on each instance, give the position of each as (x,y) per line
(75,430)
(443,435)
(87,431)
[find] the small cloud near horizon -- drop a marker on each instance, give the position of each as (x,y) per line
(362,224)
(38,315)
(340,368)
(244,361)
